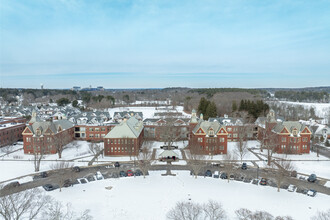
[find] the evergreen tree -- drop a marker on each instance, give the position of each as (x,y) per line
(234,106)
(211,111)
(203,103)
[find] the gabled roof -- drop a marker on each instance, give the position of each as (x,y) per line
(130,128)
(53,126)
(289,125)
(207,125)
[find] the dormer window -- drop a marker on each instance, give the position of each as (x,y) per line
(211,133)
(294,132)
(38,132)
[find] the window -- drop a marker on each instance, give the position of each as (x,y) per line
(235,129)
(222,148)
(97,129)
(305,139)
(222,139)
(111,149)
(200,139)
(229,135)
(102,129)
(211,132)
(283,139)
(235,135)
(90,129)
(91,135)
(229,129)
(283,147)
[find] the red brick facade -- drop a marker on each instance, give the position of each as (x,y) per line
(45,142)
(11,130)
(92,133)
(123,146)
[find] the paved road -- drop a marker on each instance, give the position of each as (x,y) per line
(55,177)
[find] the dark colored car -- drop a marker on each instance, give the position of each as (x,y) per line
(244,166)
(122,174)
(130,173)
(223,176)
(40,175)
(138,173)
(117,164)
(67,183)
(76,169)
(208,173)
(48,187)
(312,178)
(263,182)
(12,185)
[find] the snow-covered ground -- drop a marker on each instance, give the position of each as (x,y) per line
(321,109)
(152,197)
(311,163)
(148,112)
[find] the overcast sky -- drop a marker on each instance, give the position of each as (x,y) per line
(154,44)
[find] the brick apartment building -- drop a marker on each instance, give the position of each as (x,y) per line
(11,130)
(125,139)
(43,136)
(95,133)
(209,137)
(290,137)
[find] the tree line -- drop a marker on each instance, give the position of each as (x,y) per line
(211,91)
(254,109)
(304,96)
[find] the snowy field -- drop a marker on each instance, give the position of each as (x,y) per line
(148,112)
(321,109)
(151,198)
(309,165)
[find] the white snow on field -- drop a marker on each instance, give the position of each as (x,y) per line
(321,109)
(152,197)
(314,164)
(148,112)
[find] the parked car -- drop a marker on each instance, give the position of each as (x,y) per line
(122,174)
(48,187)
(67,183)
(216,174)
(99,175)
(76,169)
(116,164)
(231,176)
(312,178)
(223,176)
(130,173)
(311,192)
(138,173)
(244,166)
(292,188)
(208,173)
(12,185)
(263,181)
(40,175)
(82,180)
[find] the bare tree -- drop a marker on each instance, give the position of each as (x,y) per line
(322,215)
(195,158)
(38,154)
(185,211)
(268,142)
(169,131)
(94,148)
(283,168)
(194,211)
(246,214)
(24,205)
(58,211)
(60,142)
(229,163)
(7,149)
(214,211)
(60,165)
(145,158)
(241,148)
